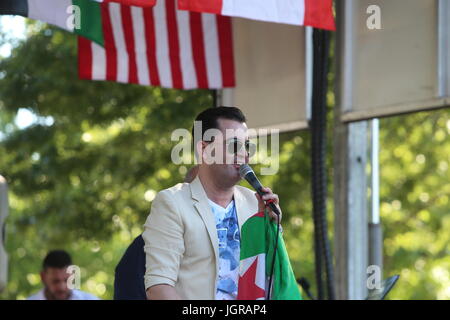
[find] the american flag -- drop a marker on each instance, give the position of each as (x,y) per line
(160,46)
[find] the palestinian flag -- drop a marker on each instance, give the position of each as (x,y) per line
(314,13)
(257,248)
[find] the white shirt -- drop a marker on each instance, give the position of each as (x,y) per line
(229,250)
(76,295)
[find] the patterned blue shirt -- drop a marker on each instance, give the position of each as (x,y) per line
(229,250)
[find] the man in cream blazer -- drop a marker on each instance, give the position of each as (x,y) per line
(181,232)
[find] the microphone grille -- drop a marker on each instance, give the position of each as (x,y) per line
(244,169)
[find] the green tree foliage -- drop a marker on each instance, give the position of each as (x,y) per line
(415,190)
(84,180)
(81,183)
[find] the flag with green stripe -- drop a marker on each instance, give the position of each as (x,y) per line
(258,235)
(157,46)
(82,17)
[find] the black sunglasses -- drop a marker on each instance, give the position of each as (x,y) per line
(235,145)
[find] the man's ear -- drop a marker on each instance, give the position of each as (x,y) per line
(42,274)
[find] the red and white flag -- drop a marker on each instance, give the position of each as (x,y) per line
(138,3)
(160,46)
(314,13)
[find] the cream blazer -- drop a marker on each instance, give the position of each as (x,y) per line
(181,243)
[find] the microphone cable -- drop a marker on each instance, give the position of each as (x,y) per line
(273,258)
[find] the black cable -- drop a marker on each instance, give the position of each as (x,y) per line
(273,259)
(325,241)
(304,283)
(215,98)
(318,164)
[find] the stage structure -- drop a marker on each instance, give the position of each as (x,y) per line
(402,67)
(273,73)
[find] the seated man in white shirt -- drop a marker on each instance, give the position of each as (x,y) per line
(54,277)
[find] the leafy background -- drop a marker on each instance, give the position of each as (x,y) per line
(83,175)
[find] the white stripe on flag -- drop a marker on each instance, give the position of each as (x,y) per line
(260,280)
(50,11)
(245,264)
(212,55)
(140,45)
(162,44)
(119,40)
(98,62)
(188,68)
(302,12)
(186,60)
(285,11)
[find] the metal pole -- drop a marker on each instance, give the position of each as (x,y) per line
(224,97)
(375,231)
(350,182)
(4,206)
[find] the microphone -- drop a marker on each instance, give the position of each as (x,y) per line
(247,173)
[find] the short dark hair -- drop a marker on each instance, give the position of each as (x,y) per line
(209,118)
(57,259)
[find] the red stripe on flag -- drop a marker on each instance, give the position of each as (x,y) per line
(174,44)
(149,22)
(259,214)
(198,49)
(211,6)
(197,38)
(225,34)
(137,3)
(127,24)
(110,47)
(319,14)
(84,58)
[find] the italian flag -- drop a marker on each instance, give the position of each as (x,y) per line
(62,13)
(257,248)
(314,13)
